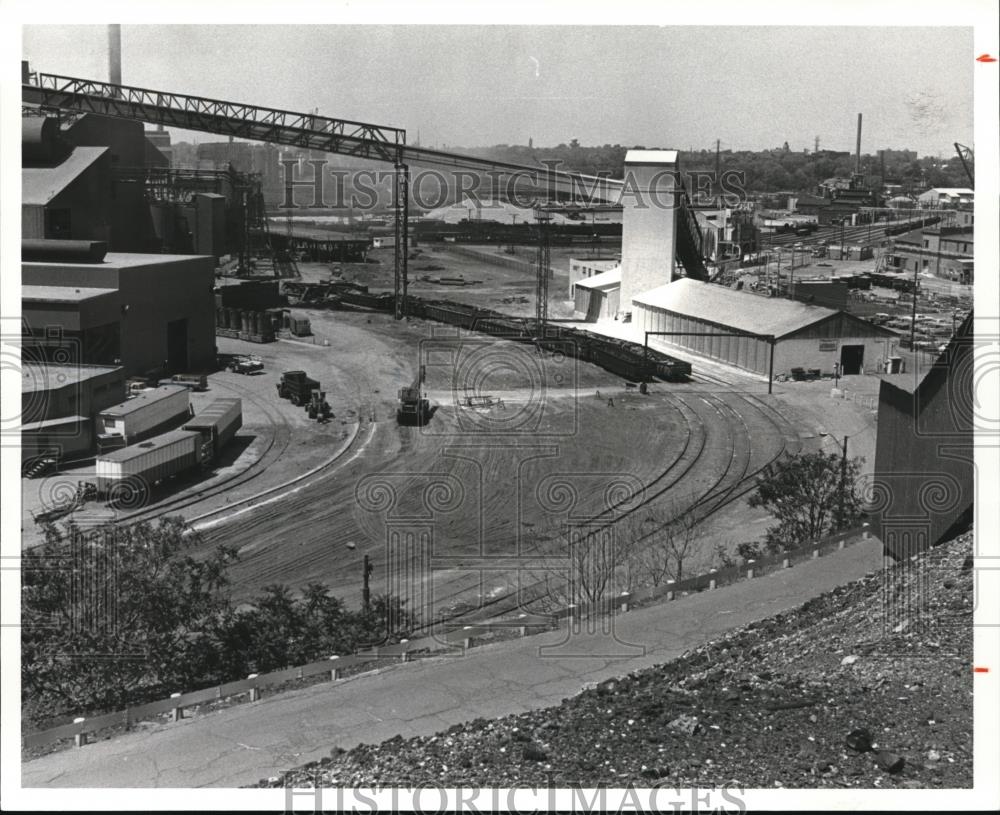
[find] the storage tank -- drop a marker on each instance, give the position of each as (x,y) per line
(144,415)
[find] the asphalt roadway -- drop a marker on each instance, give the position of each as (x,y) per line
(247,742)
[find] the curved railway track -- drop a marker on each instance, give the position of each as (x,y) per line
(740,477)
(279,442)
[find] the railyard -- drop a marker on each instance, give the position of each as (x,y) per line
(269,445)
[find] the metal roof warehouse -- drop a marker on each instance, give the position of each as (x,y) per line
(805,336)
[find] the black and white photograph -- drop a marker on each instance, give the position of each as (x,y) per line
(536,407)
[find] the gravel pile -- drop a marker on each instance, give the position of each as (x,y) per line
(867,686)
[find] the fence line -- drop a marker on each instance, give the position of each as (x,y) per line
(458,636)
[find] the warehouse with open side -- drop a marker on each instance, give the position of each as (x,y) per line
(806,337)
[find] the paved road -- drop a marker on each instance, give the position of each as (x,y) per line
(242,744)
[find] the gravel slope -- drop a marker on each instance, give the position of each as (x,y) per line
(792,701)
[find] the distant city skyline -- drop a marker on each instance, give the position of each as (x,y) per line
(478,86)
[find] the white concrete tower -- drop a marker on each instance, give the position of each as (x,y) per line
(649,221)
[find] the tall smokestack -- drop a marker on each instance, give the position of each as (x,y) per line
(115,54)
(857,155)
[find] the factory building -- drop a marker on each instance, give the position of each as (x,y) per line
(57,403)
(924,482)
(805,336)
(150,314)
(65,190)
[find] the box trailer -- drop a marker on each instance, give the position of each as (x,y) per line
(150,412)
(218,422)
(142,465)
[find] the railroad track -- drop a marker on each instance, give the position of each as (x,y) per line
(279,442)
(736,479)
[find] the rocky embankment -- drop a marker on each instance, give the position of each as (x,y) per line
(867,686)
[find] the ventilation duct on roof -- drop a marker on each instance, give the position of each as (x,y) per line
(63,251)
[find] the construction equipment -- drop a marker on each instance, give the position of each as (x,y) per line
(247,364)
(297,387)
(318,408)
(413,406)
(967,158)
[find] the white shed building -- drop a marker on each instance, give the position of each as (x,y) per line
(804,336)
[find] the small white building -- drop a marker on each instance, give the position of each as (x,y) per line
(804,336)
(946,196)
(598,297)
(585,268)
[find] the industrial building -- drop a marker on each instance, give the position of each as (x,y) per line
(57,403)
(585,268)
(649,221)
(149,314)
(803,336)
(597,297)
(938,197)
(924,482)
(944,251)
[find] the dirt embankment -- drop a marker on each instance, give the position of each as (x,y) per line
(868,686)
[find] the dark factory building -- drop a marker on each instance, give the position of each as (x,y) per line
(150,314)
(924,477)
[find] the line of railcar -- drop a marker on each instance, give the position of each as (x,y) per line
(622,357)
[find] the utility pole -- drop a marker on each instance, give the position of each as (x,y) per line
(366,595)
(542,281)
(843,481)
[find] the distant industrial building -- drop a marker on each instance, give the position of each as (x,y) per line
(939,197)
(805,336)
(944,251)
(924,484)
(145,313)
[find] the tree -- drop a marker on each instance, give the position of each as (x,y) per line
(810,495)
(114,610)
(665,543)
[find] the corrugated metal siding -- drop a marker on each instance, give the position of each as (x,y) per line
(145,412)
(151,460)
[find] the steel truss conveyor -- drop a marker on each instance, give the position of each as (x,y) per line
(330,135)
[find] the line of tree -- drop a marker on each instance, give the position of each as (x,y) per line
(120,615)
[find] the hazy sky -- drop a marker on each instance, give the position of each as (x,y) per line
(676,87)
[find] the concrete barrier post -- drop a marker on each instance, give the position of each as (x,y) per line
(523,629)
(80,739)
(466,639)
(404,657)
(786,563)
(865,531)
(712,583)
(841,543)
(625,599)
(254,690)
(750,564)
(670,590)
(815,552)
(178,712)
(334,672)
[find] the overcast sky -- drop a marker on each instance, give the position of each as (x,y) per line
(675,87)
